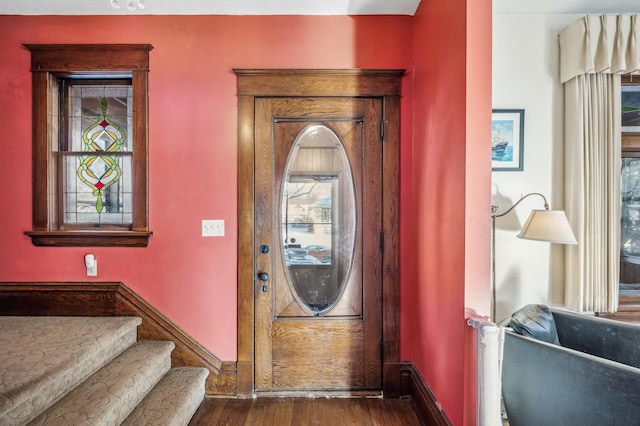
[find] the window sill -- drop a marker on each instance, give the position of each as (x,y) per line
(89,238)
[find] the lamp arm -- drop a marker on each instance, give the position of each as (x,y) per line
(493,246)
(495,208)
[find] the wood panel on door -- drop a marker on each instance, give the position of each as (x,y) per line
(301,344)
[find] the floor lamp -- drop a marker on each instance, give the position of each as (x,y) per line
(542,225)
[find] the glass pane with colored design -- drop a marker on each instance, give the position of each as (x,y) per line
(97,174)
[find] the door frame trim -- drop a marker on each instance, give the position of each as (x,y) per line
(385,84)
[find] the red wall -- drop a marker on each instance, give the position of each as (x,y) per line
(445,183)
(450,202)
(192,145)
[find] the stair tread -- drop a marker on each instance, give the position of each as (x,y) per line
(173,401)
(45,357)
(109,395)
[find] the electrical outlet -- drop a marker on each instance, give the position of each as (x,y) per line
(213,228)
(91,263)
(92,271)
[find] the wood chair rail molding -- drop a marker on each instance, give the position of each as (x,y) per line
(116,299)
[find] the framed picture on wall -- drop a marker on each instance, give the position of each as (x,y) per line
(507,140)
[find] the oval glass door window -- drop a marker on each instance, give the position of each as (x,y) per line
(318,218)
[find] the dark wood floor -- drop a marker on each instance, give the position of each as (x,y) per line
(306,411)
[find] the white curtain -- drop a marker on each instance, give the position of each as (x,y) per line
(594,52)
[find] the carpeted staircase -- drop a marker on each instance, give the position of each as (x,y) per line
(91,371)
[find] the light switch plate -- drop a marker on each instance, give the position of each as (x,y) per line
(213,228)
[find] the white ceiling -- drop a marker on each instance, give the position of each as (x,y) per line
(212,7)
(298,7)
(566,6)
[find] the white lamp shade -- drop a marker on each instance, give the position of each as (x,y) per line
(548,225)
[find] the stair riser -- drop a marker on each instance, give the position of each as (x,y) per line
(173,401)
(108,396)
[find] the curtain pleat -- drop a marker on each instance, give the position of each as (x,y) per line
(592,180)
(609,296)
(575,191)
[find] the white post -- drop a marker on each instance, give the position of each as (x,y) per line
(488,362)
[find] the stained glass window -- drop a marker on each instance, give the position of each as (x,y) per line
(97,158)
(90,145)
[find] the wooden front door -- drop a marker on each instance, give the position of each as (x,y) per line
(318,193)
(318,189)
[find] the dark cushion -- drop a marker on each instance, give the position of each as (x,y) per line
(535,321)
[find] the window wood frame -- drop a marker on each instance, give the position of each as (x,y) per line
(630,148)
(48,63)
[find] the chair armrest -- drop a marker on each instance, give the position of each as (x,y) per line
(602,337)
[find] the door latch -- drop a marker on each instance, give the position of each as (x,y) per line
(263,276)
